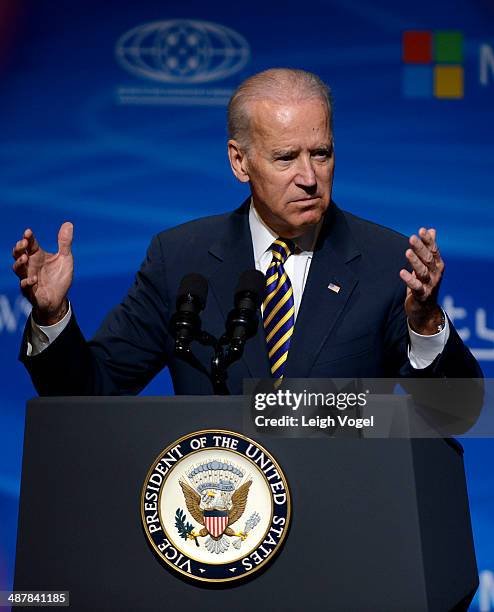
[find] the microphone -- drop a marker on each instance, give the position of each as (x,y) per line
(243,320)
(185,324)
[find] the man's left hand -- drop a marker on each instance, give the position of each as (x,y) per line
(423,312)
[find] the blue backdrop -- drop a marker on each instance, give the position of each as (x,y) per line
(113,117)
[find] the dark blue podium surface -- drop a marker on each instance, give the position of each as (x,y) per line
(377,524)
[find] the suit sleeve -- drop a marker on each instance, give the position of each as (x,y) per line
(129,349)
(455,361)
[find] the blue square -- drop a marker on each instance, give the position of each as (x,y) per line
(417,81)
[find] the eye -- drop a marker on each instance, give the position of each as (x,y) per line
(287,157)
(322,154)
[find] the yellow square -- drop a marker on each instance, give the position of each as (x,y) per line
(448,81)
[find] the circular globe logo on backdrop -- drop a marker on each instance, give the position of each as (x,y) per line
(182,51)
(215,506)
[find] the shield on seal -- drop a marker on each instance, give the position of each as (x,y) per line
(215,521)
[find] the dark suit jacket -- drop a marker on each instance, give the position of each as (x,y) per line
(359,332)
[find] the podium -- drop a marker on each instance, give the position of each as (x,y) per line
(377,524)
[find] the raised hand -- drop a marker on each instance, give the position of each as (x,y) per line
(45,278)
(421,306)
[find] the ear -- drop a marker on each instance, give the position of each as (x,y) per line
(238,161)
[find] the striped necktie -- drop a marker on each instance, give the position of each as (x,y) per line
(279,310)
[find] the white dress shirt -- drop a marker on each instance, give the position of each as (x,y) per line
(422,350)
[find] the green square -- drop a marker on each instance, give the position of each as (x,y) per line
(448,47)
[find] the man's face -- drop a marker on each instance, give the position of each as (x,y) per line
(290,164)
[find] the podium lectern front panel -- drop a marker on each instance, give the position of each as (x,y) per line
(377,525)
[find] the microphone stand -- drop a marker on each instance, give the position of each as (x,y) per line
(224,354)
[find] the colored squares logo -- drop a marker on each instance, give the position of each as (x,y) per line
(432,64)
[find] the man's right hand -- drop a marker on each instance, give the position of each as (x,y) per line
(45,278)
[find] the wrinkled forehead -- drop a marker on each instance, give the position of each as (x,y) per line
(277,122)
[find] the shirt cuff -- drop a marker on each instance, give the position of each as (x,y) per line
(424,349)
(41,336)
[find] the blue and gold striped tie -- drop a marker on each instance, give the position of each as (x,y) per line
(278,307)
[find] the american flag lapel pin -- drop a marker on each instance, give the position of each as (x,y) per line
(334,287)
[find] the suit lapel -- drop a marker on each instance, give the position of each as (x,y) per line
(329,285)
(231,254)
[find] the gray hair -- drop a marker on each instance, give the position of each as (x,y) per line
(278,85)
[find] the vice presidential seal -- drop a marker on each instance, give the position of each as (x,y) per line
(215,506)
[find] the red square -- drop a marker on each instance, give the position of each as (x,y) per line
(417,47)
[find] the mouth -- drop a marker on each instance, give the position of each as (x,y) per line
(308,200)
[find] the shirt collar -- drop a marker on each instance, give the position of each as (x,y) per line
(263,236)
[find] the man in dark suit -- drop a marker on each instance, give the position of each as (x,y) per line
(339,302)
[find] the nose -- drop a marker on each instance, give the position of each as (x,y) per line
(305,177)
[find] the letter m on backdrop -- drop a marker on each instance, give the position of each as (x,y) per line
(486,591)
(486,64)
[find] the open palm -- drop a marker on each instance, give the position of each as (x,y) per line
(45,278)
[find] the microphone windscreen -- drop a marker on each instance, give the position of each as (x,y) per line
(254,282)
(196,285)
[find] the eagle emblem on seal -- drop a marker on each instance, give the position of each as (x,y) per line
(216,496)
